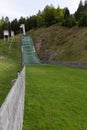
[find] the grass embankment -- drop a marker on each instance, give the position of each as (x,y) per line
(8,72)
(8,66)
(56,98)
(69,44)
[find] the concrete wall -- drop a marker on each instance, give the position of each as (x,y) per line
(11,112)
(72,64)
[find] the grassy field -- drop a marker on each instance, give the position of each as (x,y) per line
(56,98)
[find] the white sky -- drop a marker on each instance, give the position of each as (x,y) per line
(17,8)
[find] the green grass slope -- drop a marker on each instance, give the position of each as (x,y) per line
(58,43)
(9,65)
(11,50)
(56,98)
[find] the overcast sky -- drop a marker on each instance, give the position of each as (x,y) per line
(17,8)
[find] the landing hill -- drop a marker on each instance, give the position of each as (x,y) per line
(57,43)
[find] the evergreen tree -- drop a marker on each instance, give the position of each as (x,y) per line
(85,3)
(66,13)
(15,26)
(79,11)
(40,19)
(6,25)
(33,21)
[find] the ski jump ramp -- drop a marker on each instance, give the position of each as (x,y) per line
(28,52)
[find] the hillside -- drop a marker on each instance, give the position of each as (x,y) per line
(57,43)
(11,49)
(9,65)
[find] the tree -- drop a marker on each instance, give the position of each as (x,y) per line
(15,26)
(83,20)
(1,28)
(33,21)
(85,3)
(79,11)
(70,22)
(50,14)
(22,20)
(6,24)
(6,19)
(66,13)
(59,15)
(28,24)
(40,19)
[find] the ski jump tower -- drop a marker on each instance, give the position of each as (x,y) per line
(22,26)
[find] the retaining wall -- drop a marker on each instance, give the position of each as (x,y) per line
(11,112)
(72,64)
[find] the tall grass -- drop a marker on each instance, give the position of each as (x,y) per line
(56,98)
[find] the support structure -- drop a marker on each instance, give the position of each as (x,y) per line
(12,33)
(22,26)
(12,38)
(6,35)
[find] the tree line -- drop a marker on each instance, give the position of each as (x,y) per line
(49,16)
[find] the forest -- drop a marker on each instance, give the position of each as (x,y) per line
(49,16)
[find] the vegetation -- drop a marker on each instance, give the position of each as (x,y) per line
(81,14)
(55,98)
(47,17)
(56,43)
(9,66)
(8,72)
(11,49)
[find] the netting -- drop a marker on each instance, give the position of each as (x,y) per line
(29,55)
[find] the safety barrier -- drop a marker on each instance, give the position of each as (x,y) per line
(11,111)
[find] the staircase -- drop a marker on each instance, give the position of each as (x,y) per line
(29,55)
